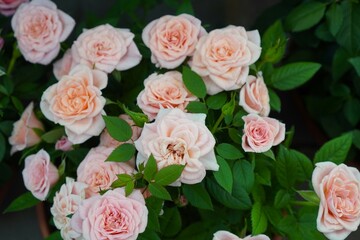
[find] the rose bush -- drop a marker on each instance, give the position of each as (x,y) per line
(182,154)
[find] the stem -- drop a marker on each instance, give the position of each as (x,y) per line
(14,57)
(216,125)
(302,203)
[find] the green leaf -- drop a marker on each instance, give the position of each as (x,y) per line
(154,205)
(234,135)
(168,174)
(309,196)
(293,75)
(2,72)
(150,169)
(356,64)
(285,168)
(244,175)
(263,176)
(305,16)
(122,181)
(275,101)
(148,234)
(258,219)
(185,7)
(274,43)
(195,231)
(170,222)
(340,63)
(228,151)
(129,188)
(24,201)
(139,118)
(238,200)
(2,147)
(282,199)
(118,128)
(349,34)
(216,101)
(53,135)
(334,150)
(122,153)
(352,111)
(193,82)
(116,75)
(269,154)
(334,18)
(197,107)
(356,138)
(54,236)
(237,120)
(159,191)
(322,32)
(224,176)
(197,196)
(17,104)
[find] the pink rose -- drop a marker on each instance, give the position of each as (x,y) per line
(225,235)
(75,102)
(98,174)
(63,144)
(111,216)
(261,133)
(179,138)
(106,48)
(338,188)
(254,96)
(8,7)
(66,202)
(39,174)
(164,91)
(172,38)
(23,135)
(64,65)
(39,28)
(107,141)
(223,57)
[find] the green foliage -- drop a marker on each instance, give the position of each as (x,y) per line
(305,16)
(122,153)
(228,151)
(193,82)
(293,75)
(258,219)
(198,196)
(243,175)
(275,102)
(118,128)
(334,150)
(196,107)
(216,101)
(24,201)
(169,174)
(224,176)
(53,135)
(274,43)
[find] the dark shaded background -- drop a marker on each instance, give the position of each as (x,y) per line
(215,13)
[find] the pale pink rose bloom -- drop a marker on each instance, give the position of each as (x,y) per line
(39,174)
(225,235)
(254,96)
(111,216)
(338,188)
(8,7)
(172,38)
(106,48)
(98,174)
(66,202)
(23,135)
(223,57)
(75,102)
(107,141)
(63,66)
(179,138)
(63,144)
(261,133)
(164,91)
(39,28)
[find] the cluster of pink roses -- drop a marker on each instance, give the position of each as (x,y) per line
(221,57)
